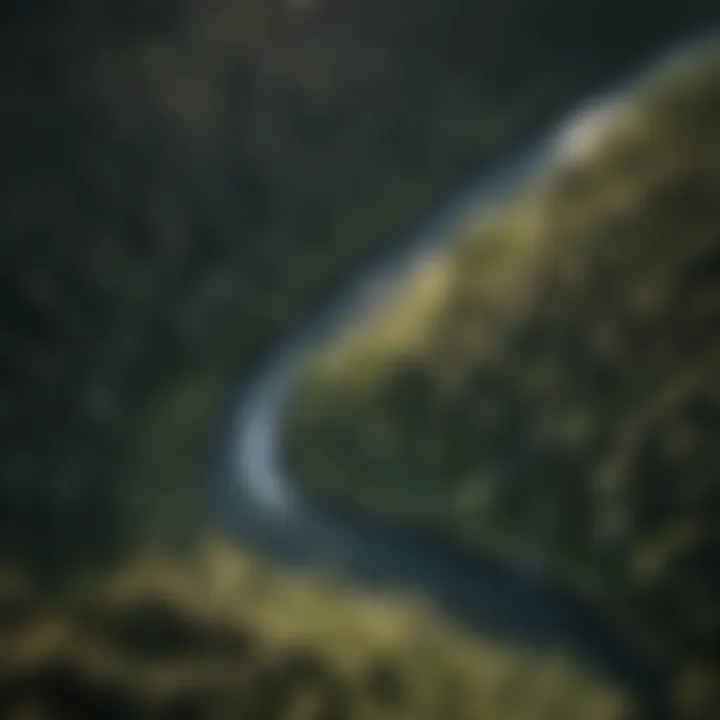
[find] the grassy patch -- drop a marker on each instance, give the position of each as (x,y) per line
(226,635)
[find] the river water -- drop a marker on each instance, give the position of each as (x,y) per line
(256,499)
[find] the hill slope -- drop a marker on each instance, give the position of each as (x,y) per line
(224,637)
(552,387)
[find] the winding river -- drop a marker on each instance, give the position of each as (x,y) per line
(256,499)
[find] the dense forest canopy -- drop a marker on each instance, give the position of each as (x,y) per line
(180,177)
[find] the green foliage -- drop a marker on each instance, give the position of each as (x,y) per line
(179,181)
(562,402)
(226,637)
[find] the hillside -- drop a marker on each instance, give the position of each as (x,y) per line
(550,388)
(225,637)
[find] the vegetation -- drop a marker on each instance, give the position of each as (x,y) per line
(550,388)
(181,178)
(225,637)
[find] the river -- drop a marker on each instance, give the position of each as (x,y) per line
(256,499)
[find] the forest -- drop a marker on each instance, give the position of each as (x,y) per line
(181,181)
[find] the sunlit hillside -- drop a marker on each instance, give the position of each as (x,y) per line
(226,637)
(556,396)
